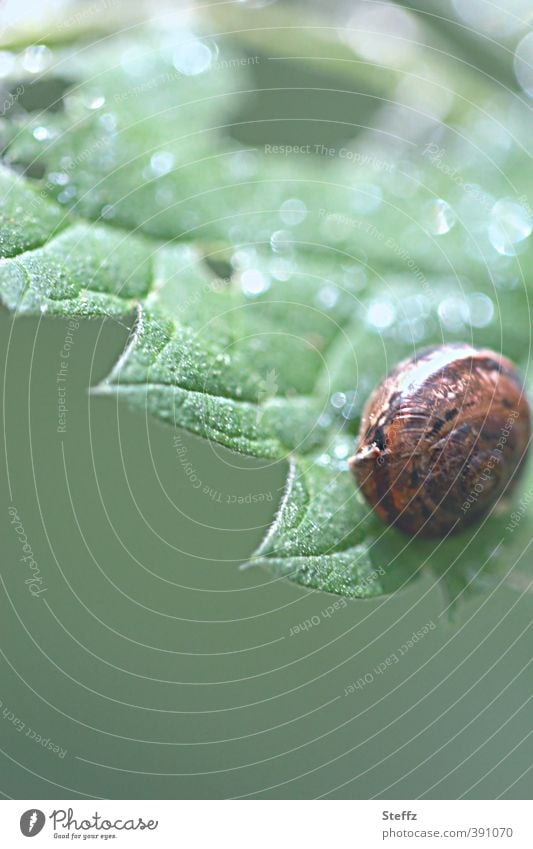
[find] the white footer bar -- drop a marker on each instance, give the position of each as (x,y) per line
(269,824)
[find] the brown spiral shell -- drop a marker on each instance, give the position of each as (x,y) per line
(442,438)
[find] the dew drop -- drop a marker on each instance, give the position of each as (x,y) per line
(108,211)
(523,64)
(244,258)
(96,102)
(164,196)
(509,224)
(338,400)
(243,164)
(292,211)
(500,20)
(253,282)
(7,63)
(439,217)
(162,162)
(367,199)
(453,313)
(36,58)
(281,242)
(108,121)
(192,58)
(480,309)
(413,329)
(256,4)
(42,133)
(380,314)
(342,449)
(327,297)
(58,178)
(67,194)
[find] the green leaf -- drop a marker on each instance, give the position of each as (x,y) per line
(27,218)
(168,372)
(321,536)
(85,271)
(265,294)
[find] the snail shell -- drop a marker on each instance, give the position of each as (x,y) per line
(442,438)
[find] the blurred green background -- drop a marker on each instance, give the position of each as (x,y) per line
(158,667)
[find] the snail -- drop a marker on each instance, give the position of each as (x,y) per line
(443,437)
